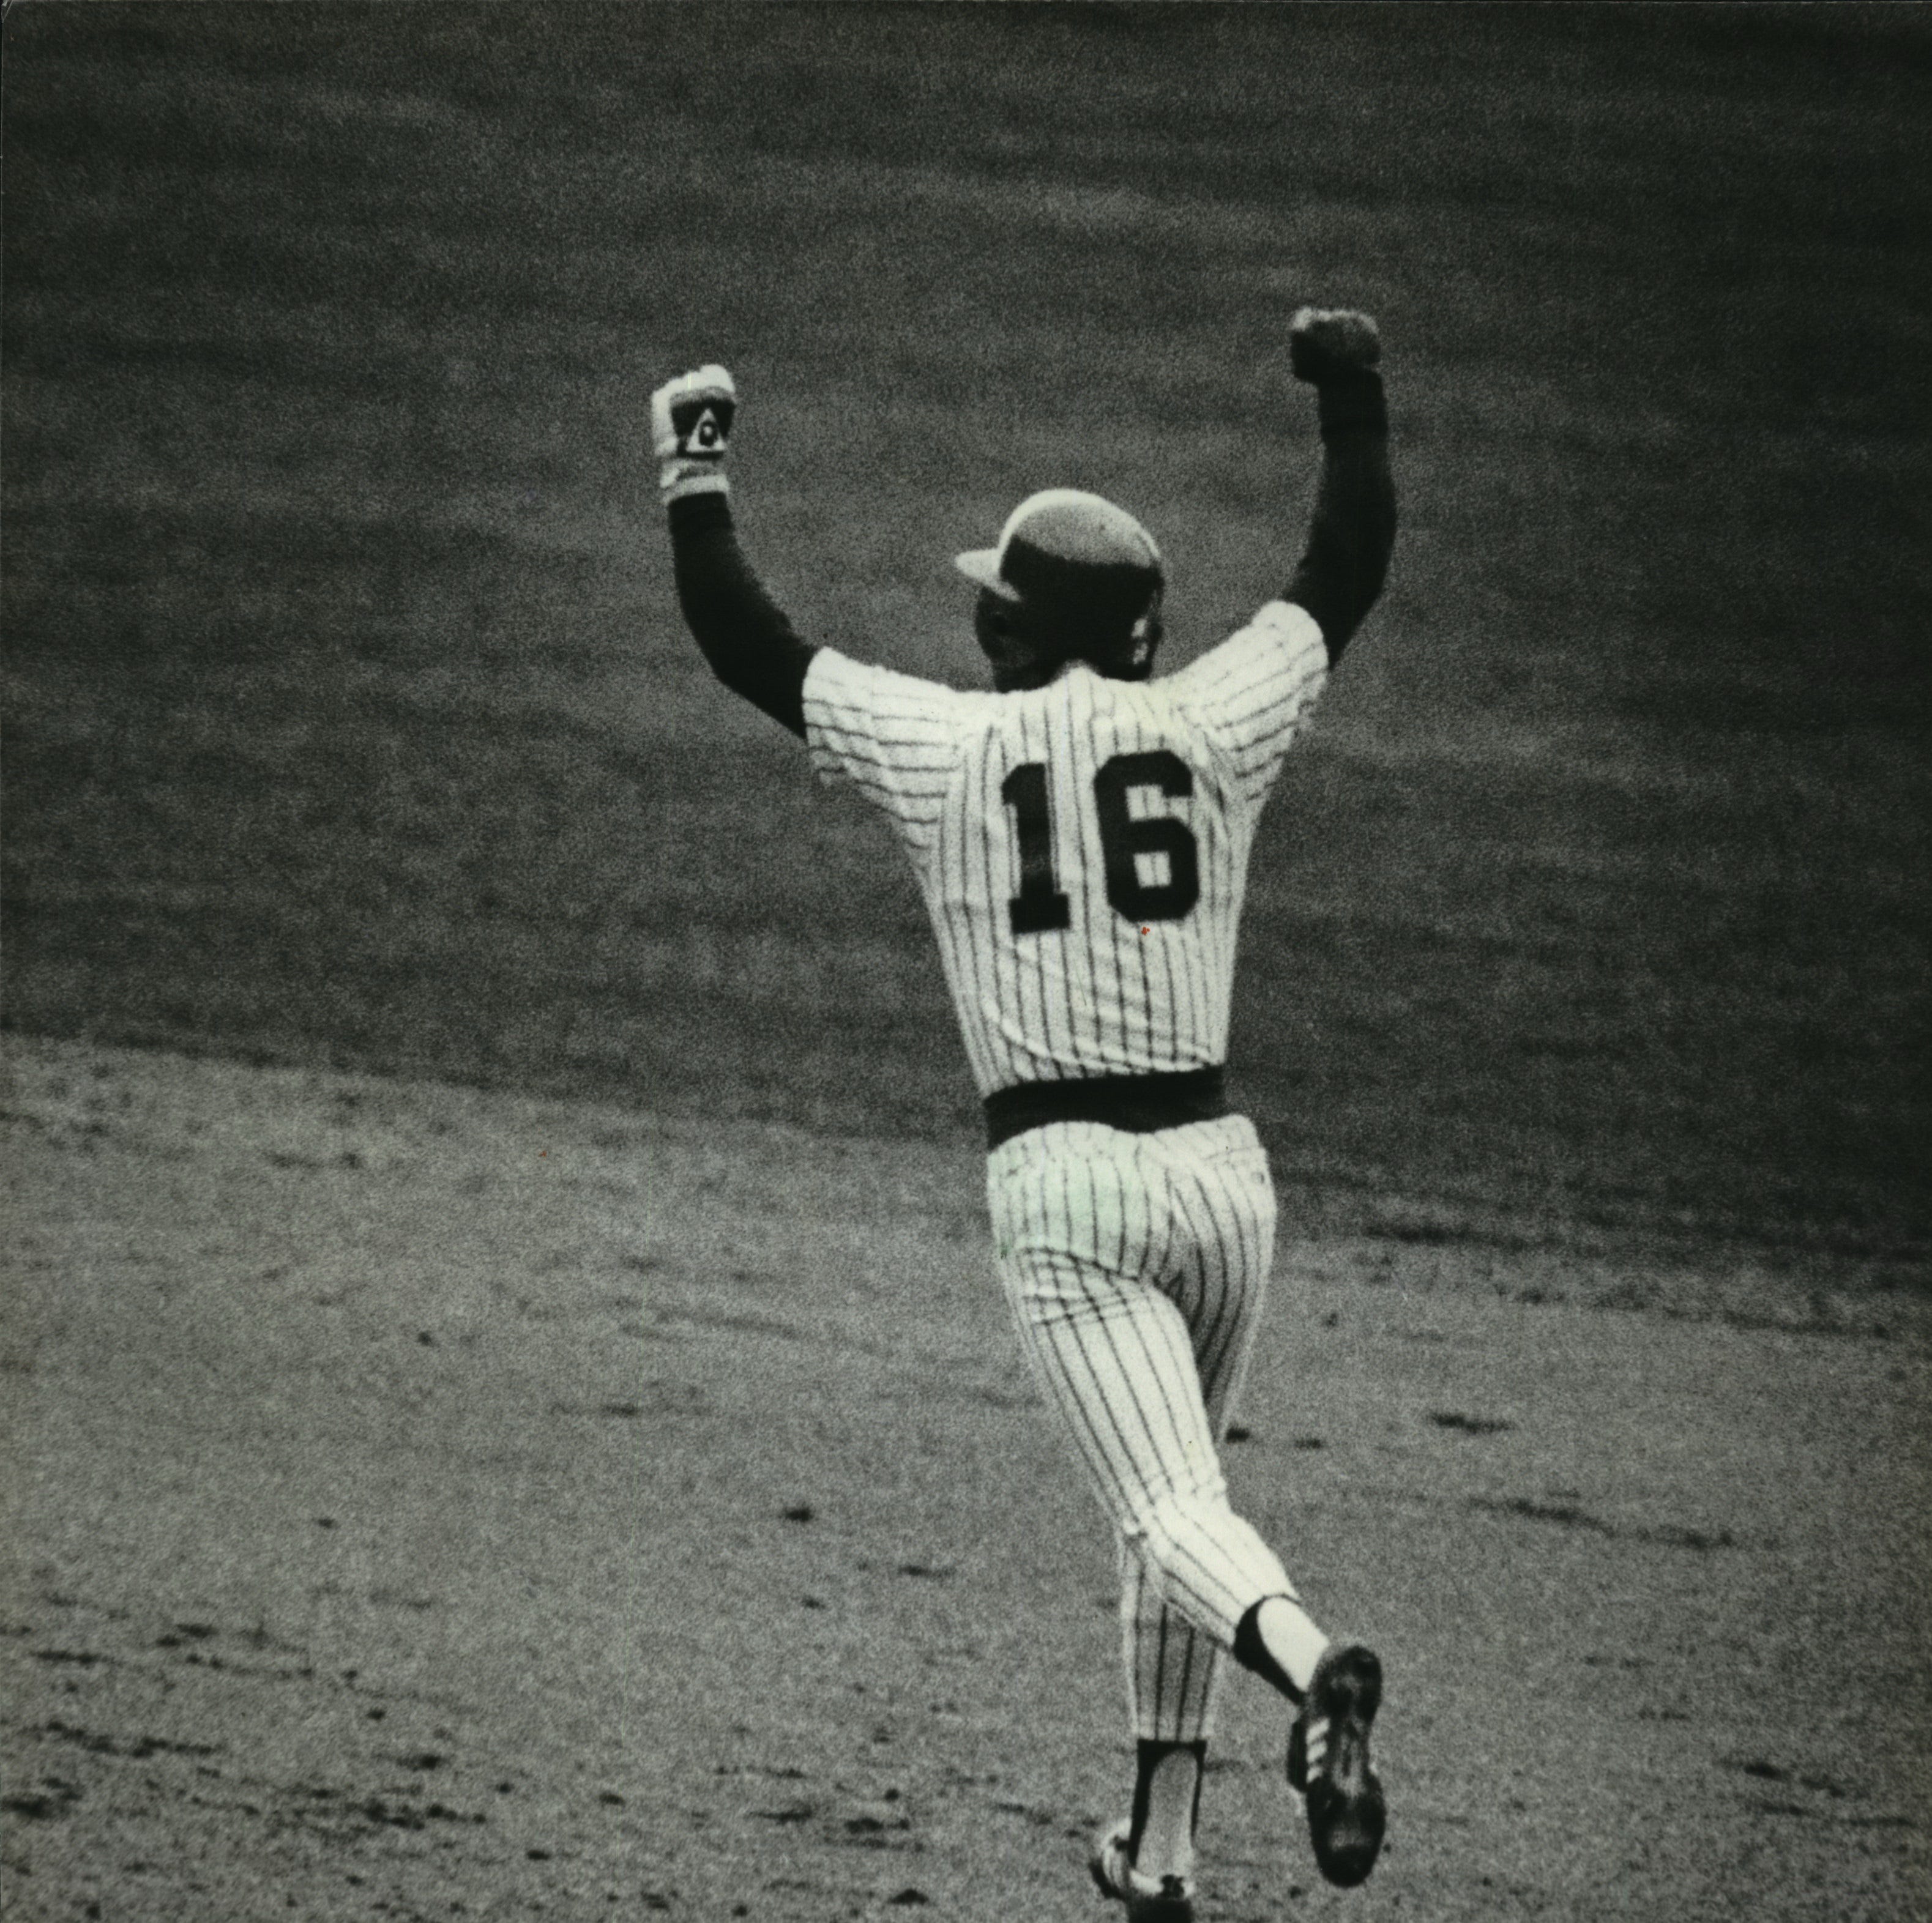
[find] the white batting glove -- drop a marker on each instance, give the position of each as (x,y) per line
(690,431)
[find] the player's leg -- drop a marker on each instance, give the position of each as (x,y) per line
(1083,1225)
(1078,1236)
(1117,1361)
(1113,1358)
(1172,1668)
(1215,1267)
(1228,1200)
(1221,1208)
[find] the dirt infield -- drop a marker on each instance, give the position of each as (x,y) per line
(425,1503)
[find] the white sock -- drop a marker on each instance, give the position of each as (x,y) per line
(1166,1847)
(1289,1634)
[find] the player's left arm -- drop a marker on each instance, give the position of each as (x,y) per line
(746,637)
(1253,692)
(1352,532)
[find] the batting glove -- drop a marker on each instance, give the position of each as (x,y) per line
(1326,342)
(690,428)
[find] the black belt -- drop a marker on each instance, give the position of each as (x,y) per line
(1139,1104)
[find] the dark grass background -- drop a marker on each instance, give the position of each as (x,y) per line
(350,721)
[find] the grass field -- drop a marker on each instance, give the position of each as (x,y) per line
(369,815)
(352,721)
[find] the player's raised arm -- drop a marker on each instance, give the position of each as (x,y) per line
(1352,533)
(1256,690)
(744,635)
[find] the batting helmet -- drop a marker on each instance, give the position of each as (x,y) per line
(1082,579)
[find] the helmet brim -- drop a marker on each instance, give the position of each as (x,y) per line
(981,566)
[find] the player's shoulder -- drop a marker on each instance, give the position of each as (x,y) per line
(834,676)
(1277,653)
(1284,630)
(861,701)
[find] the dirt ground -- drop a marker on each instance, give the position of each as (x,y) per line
(425,1503)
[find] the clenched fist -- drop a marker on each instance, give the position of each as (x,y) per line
(1324,342)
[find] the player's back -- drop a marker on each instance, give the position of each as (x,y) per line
(1086,881)
(1082,847)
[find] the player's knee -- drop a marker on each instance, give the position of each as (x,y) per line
(1169,1530)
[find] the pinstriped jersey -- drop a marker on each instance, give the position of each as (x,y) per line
(1082,848)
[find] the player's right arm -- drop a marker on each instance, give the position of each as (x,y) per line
(744,635)
(894,737)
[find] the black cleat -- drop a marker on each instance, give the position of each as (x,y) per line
(1328,1763)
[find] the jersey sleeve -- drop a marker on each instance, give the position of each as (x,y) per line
(1253,693)
(894,738)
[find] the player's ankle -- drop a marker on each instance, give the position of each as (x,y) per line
(1279,1642)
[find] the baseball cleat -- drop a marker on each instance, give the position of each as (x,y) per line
(1328,1763)
(1149,1899)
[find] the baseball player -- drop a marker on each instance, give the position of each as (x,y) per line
(1081,834)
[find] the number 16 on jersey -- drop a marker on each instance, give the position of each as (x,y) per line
(1039,906)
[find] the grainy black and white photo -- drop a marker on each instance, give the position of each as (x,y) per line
(965,959)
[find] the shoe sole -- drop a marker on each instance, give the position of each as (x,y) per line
(1347,1816)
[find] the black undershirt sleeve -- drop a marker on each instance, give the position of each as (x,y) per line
(1352,531)
(744,635)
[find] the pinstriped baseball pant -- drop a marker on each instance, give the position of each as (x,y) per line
(1136,1266)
